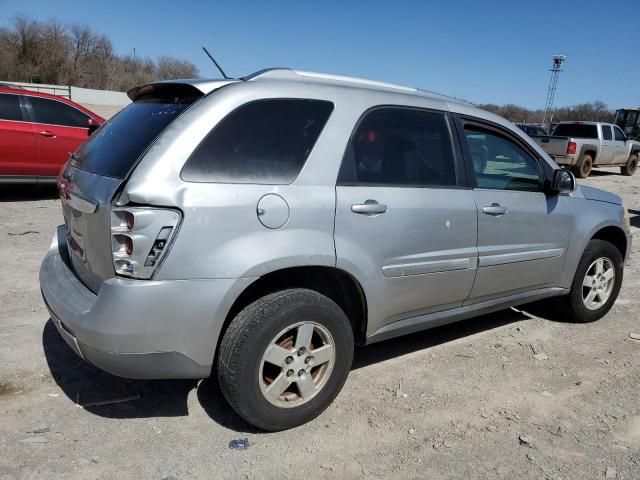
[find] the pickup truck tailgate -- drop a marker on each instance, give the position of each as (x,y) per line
(554,146)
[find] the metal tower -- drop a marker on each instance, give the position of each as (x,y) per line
(558,60)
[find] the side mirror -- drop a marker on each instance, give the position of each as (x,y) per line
(93,125)
(564,181)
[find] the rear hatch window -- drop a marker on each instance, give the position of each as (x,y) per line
(113,150)
(578,130)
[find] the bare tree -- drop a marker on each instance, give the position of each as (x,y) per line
(172,68)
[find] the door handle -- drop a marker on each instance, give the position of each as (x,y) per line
(494,209)
(47,133)
(370,207)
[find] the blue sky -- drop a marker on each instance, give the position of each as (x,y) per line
(484,51)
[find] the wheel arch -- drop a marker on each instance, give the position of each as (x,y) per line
(337,284)
(614,235)
(589,150)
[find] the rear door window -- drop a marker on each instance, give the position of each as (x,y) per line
(10,107)
(401,147)
(264,142)
(606,132)
(53,112)
(116,146)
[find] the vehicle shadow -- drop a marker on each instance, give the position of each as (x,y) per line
(603,173)
(86,385)
(27,192)
(634,217)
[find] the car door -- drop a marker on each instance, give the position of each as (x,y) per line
(59,129)
(621,154)
(17,142)
(522,232)
(607,150)
(405,225)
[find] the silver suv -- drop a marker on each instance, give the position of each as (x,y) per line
(262,227)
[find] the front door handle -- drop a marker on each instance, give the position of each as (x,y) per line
(370,207)
(47,133)
(494,209)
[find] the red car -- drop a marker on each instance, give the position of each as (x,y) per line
(37,132)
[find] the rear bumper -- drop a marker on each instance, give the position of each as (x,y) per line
(564,159)
(137,328)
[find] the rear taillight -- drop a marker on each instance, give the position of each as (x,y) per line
(571,148)
(140,237)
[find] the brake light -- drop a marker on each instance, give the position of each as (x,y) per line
(139,239)
(571,147)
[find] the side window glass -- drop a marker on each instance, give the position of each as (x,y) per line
(265,142)
(400,147)
(52,112)
(500,163)
(10,107)
(606,132)
(619,135)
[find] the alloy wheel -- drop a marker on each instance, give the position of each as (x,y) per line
(296,364)
(598,283)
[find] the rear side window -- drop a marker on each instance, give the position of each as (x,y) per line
(265,142)
(606,132)
(400,147)
(10,107)
(578,130)
(116,146)
(52,112)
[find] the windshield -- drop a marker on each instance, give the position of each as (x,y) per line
(579,130)
(116,146)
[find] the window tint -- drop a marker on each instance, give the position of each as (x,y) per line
(266,141)
(619,135)
(606,132)
(500,163)
(579,130)
(53,112)
(402,147)
(116,146)
(10,107)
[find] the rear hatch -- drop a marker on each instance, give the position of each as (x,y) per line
(96,172)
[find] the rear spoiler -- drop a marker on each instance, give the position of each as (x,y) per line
(177,88)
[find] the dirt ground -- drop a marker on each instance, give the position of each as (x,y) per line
(461,401)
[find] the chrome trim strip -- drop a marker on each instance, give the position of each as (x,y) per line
(502,258)
(432,266)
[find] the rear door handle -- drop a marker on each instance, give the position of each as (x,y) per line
(47,133)
(494,209)
(370,207)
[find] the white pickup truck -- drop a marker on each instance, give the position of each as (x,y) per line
(583,145)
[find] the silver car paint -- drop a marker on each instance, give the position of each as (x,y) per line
(432,258)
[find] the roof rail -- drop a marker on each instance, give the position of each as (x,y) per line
(302,75)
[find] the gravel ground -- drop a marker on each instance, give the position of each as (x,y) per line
(508,395)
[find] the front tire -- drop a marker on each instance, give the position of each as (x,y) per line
(596,283)
(630,167)
(284,358)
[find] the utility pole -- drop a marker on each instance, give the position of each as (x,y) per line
(558,60)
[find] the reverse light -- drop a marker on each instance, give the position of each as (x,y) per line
(571,148)
(140,237)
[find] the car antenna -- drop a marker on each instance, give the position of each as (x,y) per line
(224,75)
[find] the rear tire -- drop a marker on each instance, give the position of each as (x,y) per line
(584,166)
(630,167)
(591,279)
(267,368)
